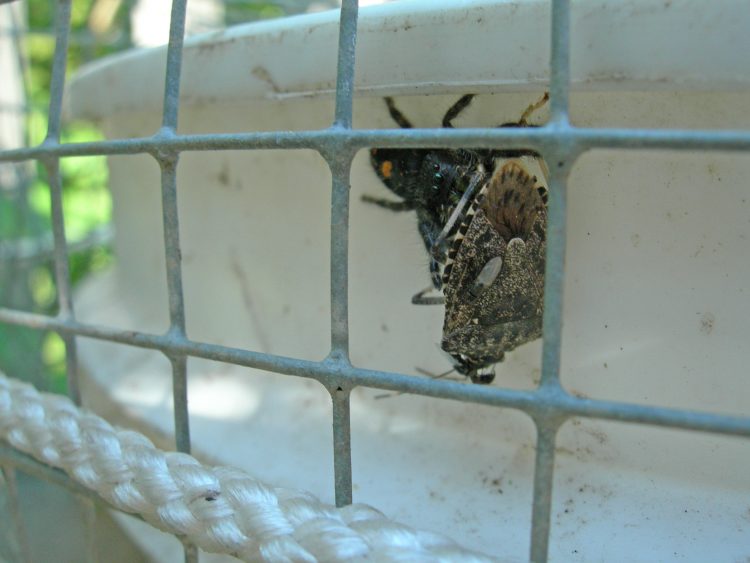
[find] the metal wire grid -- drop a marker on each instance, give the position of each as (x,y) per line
(560,143)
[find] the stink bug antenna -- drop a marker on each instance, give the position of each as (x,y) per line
(420,371)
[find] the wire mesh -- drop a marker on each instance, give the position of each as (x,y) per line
(559,143)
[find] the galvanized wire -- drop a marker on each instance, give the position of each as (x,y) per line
(560,144)
(561,157)
(52,165)
(21,534)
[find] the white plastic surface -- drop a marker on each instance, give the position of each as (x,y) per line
(656,302)
(438,47)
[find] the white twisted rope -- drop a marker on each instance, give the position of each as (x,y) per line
(219,509)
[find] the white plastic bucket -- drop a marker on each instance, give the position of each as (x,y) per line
(656,294)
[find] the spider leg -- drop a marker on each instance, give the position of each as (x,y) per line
(437,278)
(522,122)
(532,108)
(421,298)
(388,204)
(458,213)
(429,229)
(396,114)
(455,109)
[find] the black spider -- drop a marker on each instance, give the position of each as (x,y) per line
(431,182)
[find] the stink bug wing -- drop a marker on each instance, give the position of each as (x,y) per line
(518,293)
(480,244)
(513,201)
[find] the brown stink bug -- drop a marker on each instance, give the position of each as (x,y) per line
(493,280)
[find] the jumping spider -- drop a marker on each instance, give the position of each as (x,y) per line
(432,182)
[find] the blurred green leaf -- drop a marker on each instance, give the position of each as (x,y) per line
(34,355)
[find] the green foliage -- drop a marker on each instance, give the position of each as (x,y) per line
(25,211)
(241,12)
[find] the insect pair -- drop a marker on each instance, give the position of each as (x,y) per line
(484,228)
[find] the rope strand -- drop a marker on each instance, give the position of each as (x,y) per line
(219,509)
